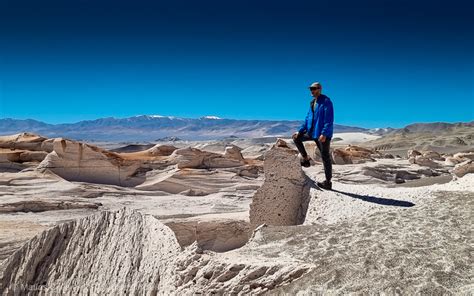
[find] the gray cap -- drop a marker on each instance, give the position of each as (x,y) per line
(316,84)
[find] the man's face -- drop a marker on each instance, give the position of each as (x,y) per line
(315,91)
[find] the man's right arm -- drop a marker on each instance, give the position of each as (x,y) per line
(302,128)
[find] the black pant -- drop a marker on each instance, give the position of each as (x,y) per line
(323,148)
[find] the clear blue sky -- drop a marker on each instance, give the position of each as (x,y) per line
(383,63)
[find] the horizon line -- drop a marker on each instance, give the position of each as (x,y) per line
(213,117)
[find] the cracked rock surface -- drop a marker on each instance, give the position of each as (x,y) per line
(126,252)
(283,197)
(120,252)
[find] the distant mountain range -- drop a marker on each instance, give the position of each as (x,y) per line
(154,127)
(436,136)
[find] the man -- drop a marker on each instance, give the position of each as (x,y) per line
(318,126)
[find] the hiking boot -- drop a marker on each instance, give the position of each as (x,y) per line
(305,163)
(325,185)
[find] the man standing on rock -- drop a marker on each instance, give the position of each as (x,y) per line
(317,126)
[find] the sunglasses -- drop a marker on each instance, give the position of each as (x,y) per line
(313,88)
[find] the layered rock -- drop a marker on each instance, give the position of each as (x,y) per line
(218,233)
(238,272)
(26,141)
(162,150)
(463,156)
(190,182)
(423,161)
(126,252)
(195,158)
(114,253)
(354,154)
(412,153)
(151,153)
(33,156)
(432,155)
(15,160)
(75,161)
(283,197)
(250,171)
(466,167)
(22,148)
(458,158)
(45,205)
(425,158)
(233,152)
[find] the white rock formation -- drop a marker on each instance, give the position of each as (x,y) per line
(218,234)
(246,271)
(233,152)
(127,253)
(432,155)
(113,253)
(195,158)
(162,150)
(412,153)
(464,156)
(466,167)
(36,156)
(75,161)
(451,161)
(25,141)
(283,197)
(45,205)
(153,153)
(423,161)
(354,154)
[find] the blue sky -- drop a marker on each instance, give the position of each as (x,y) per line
(383,63)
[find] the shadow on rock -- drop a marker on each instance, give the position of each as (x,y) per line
(378,200)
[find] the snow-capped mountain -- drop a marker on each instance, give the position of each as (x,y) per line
(151,127)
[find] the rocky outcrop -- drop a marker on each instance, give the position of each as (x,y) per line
(113,253)
(463,156)
(354,154)
(17,160)
(233,152)
(458,158)
(432,155)
(190,182)
(412,153)
(152,153)
(466,167)
(12,160)
(26,141)
(423,161)
(339,156)
(22,148)
(33,156)
(426,158)
(281,143)
(125,252)
(218,234)
(284,195)
(75,161)
(239,272)
(45,205)
(10,156)
(198,159)
(451,161)
(249,171)
(162,150)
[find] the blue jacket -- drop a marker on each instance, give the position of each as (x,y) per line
(319,122)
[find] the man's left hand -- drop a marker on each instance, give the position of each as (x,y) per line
(322,138)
